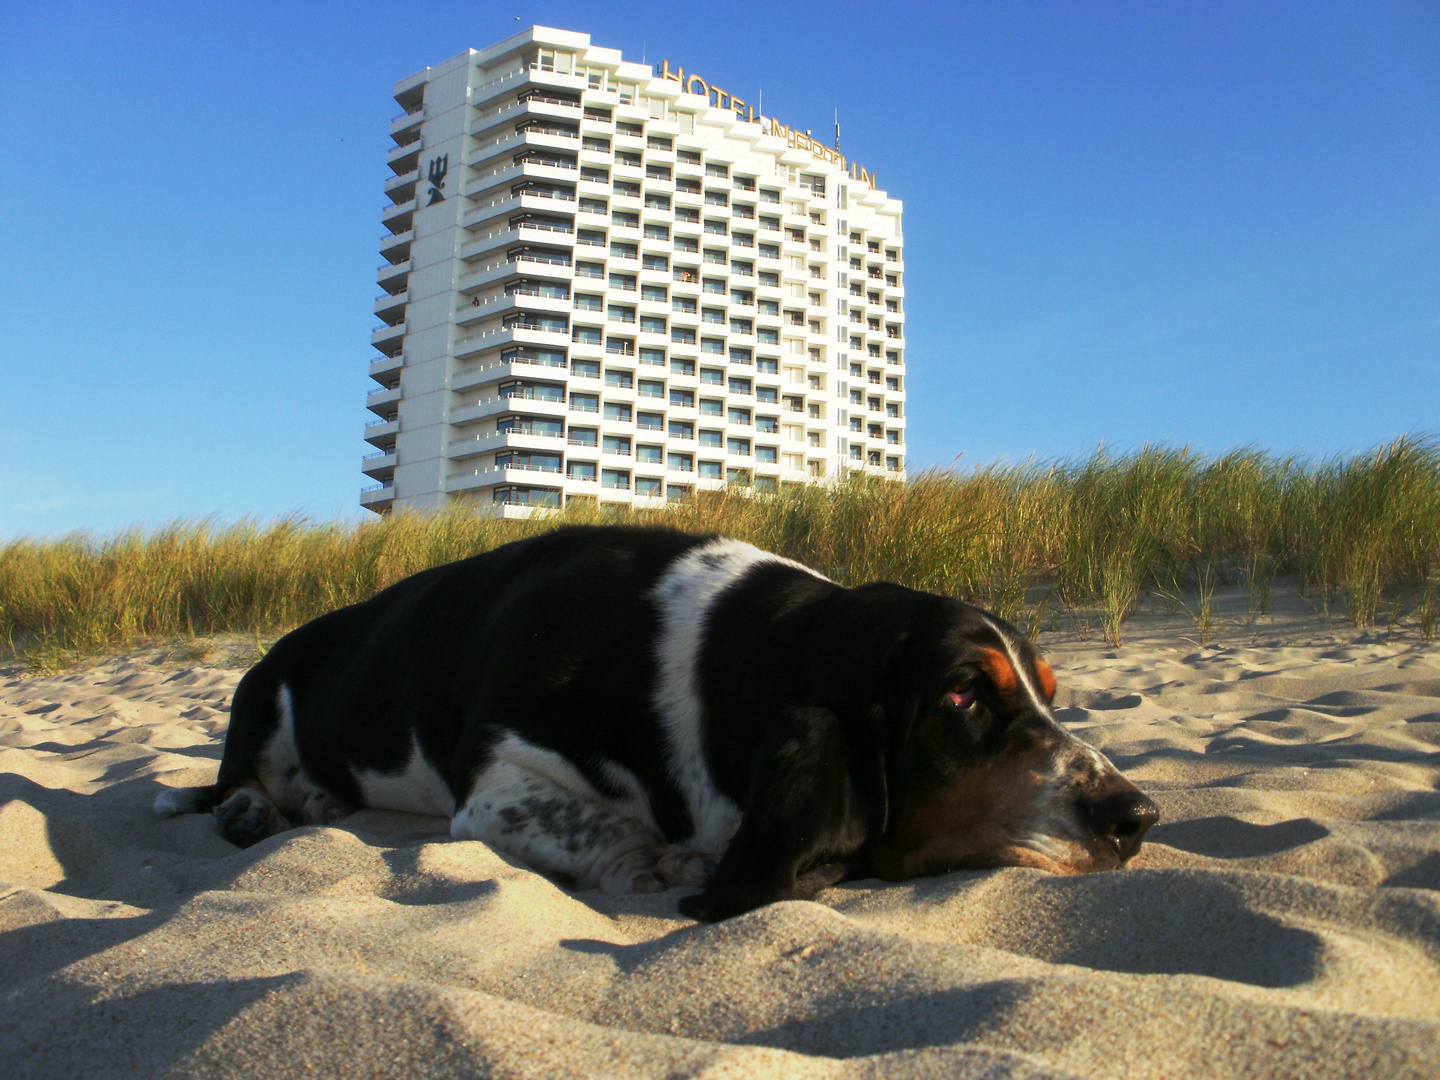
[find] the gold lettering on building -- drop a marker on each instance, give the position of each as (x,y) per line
(723,99)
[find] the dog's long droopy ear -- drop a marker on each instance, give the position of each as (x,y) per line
(812,801)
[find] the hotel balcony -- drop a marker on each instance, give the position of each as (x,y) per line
(460,449)
(516,335)
(535,103)
(385,366)
(491,477)
(527,263)
(401,188)
(379,400)
(388,338)
(516,301)
(520,80)
(379,465)
(381,432)
(504,206)
(391,273)
(397,243)
(511,403)
(391,305)
(398,215)
(407,120)
(404,157)
(380,497)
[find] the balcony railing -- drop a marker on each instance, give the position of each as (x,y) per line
(535,95)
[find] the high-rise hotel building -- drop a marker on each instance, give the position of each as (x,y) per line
(608,282)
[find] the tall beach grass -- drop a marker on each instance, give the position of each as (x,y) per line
(1093,536)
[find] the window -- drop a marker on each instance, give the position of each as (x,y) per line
(741,326)
(767,395)
(657,232)
(626,127)
(655,293)
(650,421)
(656,262)
(648,486)
(769,251)
(618,479)
(684,399)
(739,386)
(627,157)
(892,408)
(620,346)
(712,407)
(589,270)
(685,243)
(682,367)
(714,256)
(770,277)
(617,444)
(712,376)
(680,462)
(648,454)
(586,369)
(619,378)
(620,313)
(713,439)
(712,315)
(767,455)
(656,172)
(710,470)
(740,447)
(624,251)
(688,157)
(594,206)
(617,411)
(586,335)
(652,388)
(581,470)
(585,403)
(594,113)
(739,356)
(767,336)
(594,142)
(714,285)
(770,425)
(737,416)
(626,219)
(626,187)
(681,336)
(587,302)
(713,346)
(743,268)
(624,282)
(583,436)
(599,176)
(659,142)
(682,429)
(656,202)
(767,365)
(683,304)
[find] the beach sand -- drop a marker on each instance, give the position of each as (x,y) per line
(1282,920)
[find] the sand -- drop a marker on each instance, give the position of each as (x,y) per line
(1283,920)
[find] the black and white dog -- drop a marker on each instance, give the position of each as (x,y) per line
(633,709)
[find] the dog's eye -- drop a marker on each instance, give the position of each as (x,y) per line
(960,697)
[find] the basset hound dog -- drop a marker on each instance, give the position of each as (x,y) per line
(634,709)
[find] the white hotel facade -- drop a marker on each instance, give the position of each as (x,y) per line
(609,284)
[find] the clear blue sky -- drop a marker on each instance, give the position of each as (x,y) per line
(1208,224)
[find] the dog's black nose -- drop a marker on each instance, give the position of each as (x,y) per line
(1121,821)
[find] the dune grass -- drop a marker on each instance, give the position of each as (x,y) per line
(1092,536)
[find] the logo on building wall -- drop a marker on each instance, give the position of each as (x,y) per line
(439,166)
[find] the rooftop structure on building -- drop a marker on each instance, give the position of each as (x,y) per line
(610,282)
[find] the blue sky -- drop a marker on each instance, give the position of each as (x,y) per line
(1206,224)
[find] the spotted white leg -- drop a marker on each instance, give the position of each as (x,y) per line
(560,831)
